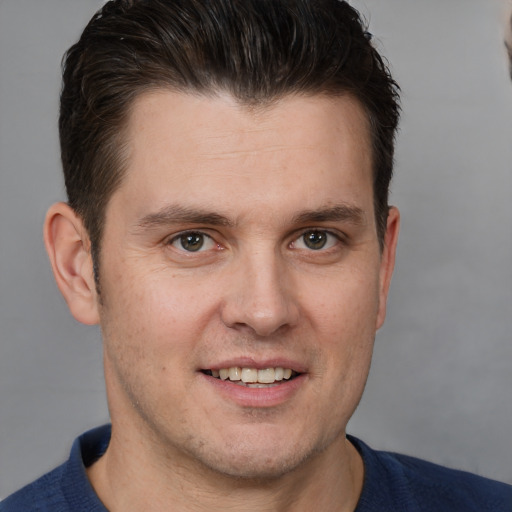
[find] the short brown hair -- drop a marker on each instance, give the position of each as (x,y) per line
(256,50)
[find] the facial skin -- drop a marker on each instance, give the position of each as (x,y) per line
(254,187)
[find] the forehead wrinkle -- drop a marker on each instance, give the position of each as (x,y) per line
(232,144)
(220,154)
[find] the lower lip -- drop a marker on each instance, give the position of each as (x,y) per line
(244,396)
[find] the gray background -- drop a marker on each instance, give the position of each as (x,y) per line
(441,384)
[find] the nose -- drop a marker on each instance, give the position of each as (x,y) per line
(260,297)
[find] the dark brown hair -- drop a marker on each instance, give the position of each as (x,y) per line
(256,50)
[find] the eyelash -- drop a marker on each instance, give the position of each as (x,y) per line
(183,234)
(206,237)
(326,232)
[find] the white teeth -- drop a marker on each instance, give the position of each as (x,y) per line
(249,375)
(266,376)
(253,376)
(235,373)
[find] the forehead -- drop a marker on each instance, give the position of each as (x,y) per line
(195,115)
(210,148)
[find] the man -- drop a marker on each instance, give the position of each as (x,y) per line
(227,167)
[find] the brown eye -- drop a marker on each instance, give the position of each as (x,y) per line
(192,242)
(315,240)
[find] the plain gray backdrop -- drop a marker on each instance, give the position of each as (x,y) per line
(441,381)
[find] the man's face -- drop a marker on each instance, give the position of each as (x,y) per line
(243,243)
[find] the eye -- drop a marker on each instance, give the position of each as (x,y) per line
(315,240)
(193,241)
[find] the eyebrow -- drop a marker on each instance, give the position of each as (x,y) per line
(176,214)
(346,213)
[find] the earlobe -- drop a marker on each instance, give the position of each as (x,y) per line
(387,261)
(68,247)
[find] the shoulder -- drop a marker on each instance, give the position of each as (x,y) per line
(66,488)
(453,489)
(42,495)
(417,485)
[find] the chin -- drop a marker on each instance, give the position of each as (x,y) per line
(257,468)
(251,461)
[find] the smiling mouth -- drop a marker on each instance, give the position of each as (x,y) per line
(253,377)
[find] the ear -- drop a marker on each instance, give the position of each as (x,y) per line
(387,262)
(68,247)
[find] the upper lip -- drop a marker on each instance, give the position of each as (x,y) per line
(259,364)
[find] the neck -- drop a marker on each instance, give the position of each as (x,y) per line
(131,476)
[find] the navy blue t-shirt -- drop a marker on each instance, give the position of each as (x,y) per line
(392,482)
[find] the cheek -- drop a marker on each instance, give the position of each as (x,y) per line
(155,311)
(344,321)
(347,305)
(151,328)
